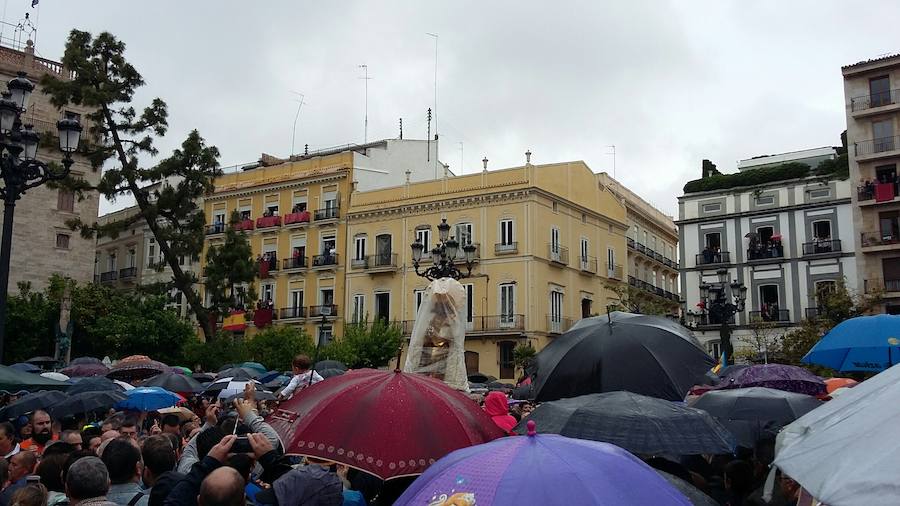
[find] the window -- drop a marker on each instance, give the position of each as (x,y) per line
(268,292)
(219,217)
(328,245)
(383,306)
(652,244)
(556,308)
(822,230)
(889,223)
(464,233)
(329,199)
(766,200)
(151,253)
(359,308)
(62,241)
(325,334)
(418,297)
(245,213)
(383,250)
(360,248)
(65,201)
(131,258)
(823,289)
(326,298)
(554,244)
(555,207)
(890,272)
(713,240)
(423,235)
(883,135)
(653,279)
(583,218)
(712,208)
(820,193)
(507,304)
(111,264)
(645,237)
(470,305)
(507,362)
(610,262)
(296,309)
(768,303)
(585,249)
(713,348)
(272,209)
(506,232)
(765,234)
(879,91)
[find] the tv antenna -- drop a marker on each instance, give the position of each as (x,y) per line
(296,117)
(366,78)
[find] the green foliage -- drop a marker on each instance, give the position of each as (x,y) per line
(211,355)
(228,267)
(635,300)
(838,167)
(168,193)
(30,319)
(276,346)
(365,345)
(523,355)
(749,178)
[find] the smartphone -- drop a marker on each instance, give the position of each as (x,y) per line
(242,445)
(32,478)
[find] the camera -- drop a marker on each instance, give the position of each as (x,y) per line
(241,445)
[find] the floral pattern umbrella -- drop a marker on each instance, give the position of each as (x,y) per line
(136,367)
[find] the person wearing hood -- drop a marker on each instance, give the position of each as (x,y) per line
(496,406)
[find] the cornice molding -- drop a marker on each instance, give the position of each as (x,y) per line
(468,202)
(273,187)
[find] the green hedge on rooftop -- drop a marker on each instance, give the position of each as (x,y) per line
(793,170)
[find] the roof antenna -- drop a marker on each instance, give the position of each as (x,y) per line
(296,117)
(401,129)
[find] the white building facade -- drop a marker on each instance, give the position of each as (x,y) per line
(785,241)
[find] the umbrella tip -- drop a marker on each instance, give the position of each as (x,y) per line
(531,428)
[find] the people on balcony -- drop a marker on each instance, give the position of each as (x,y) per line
(769,312)
(823,244)
(712,255)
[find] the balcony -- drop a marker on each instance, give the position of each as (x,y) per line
(268,222)
(871,194)
(875,103)
(215,228)
(109,277)
(381,262)
(873,149)
(588,265)
(707,320)
(765,252)
(640,247)
(558,324)
(813,313)
(292,313)
(881,285)
(243,225)
(324,261)
(267,265)
(128,273)
(502,324)
(614,271)
(327,310)
(558,254)
(822,247)
(502,248)
(461,255)
(772,315)
(630,242)
(294,263)
(713,258)
(328,214)
(297,219)
(877,241)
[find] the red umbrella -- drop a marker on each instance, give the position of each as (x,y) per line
(386,423)
(84,370)
(832,384)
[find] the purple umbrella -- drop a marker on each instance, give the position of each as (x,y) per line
(541,469)
(85,370)
(778,376)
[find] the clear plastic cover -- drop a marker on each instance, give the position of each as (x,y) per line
(437,347)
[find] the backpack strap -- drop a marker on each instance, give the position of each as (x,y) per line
(134,500)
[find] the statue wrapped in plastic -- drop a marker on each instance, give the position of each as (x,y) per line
(437,347)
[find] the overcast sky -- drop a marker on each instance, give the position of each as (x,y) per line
(668,83)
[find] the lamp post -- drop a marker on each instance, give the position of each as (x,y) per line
(20,170)
(443,256)
(721,302)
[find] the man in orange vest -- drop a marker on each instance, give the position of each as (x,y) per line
(41,433)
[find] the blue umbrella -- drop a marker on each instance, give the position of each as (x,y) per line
(864,343)
(148,399)
(24,367)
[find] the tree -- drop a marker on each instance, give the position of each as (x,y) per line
(523,356)
(230,271)
(365,345)
(276,346)
(29,318)
(210,355)
(634,300)
(762,343)
(167,194)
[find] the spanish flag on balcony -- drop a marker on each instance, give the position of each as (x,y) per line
(722,361)
(235,321)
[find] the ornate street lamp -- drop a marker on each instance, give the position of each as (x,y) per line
(443,256)
(721,303)
(20,170)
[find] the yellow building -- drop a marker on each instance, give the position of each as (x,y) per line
(549,239)
(293,212)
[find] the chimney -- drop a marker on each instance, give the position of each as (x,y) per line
(528,157)
(485,161)
(709,169)
(408,172)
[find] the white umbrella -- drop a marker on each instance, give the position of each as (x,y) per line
(58,376)
(848,450)
(125,386)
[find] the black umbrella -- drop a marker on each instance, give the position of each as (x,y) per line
(648,355)
(26,367)
(12,380)
(754,413)
(330,364)
(327,373)
(238,373)
(481,378)
(31,402)
(86,402)
(694,494)
(174,383)
(85,360)
(204,377)
(94,384)
(43,360)
(640,424)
